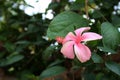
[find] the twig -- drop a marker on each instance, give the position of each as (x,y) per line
(86,8)
(98,12)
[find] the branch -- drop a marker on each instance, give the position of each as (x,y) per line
(98,12)
(86,8)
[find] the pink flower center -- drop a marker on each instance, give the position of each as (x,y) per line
(78,39)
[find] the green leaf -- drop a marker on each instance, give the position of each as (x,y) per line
(111,35)
(55,63)
(65,22)
(47,53)
(22,42)
(100,76)
(11,59)
(105,49)
(32,28)
(53,71)
(108,3)
(96,58)
(116,20)
(53,5)
(76,6)
(2,54)
(89,76)
(114,67)
(27,75)
(97,14)
(10,47)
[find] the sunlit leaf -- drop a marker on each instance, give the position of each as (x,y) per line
(65,22)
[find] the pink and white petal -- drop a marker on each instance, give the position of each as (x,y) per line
(67,49)
(81,30)
(69,37)
(82,52)
(88,36)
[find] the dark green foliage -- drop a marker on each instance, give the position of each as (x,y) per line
(25,54)
(52,72)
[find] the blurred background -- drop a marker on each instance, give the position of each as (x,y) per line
(26,53)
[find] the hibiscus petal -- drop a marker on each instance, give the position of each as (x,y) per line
(82,52)
(67,49)
(81,30)
(69,37)
(88,36)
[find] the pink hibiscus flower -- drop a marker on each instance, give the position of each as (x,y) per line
(73,43)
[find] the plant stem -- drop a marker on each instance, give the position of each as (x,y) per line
(86,8)
(98,12)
